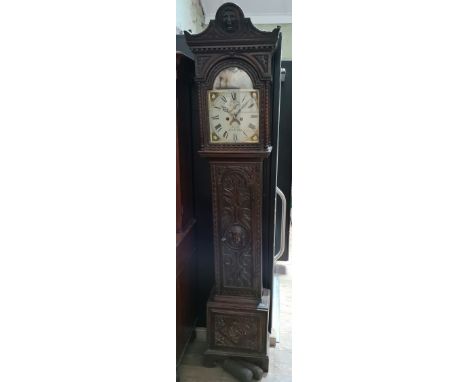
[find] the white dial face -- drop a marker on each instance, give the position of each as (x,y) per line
(233,115)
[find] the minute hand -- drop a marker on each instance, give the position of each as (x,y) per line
(238,111)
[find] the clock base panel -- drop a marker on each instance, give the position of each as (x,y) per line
(238,331)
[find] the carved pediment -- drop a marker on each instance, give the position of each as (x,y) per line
(230,29)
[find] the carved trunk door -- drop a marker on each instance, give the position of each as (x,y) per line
(237,232)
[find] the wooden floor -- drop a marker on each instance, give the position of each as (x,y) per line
(191,369)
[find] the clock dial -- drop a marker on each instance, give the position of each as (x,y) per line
(233,116)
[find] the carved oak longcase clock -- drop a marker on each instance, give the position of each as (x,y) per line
(232,98)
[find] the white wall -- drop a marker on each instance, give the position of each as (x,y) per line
(286,31)
(189,16)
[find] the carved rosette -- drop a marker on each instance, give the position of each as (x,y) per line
(236,202)
(236,332)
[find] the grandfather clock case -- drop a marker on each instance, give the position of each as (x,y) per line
(233,102)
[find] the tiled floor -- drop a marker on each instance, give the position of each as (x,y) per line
(191,369)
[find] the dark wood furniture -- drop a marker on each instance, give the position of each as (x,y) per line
(202,196)
(185,229)
(239,305)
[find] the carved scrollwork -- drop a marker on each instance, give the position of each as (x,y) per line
(263,60)
(237,224)
(238,332)
(236,216)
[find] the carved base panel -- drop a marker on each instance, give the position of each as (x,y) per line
(238,330)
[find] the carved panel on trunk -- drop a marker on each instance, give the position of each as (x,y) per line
(236,331)
(237,214)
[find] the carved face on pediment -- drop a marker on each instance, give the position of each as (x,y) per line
(228,17)
(230,21)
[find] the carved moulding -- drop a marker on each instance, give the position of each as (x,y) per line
(260,62)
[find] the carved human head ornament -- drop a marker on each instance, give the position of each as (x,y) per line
(229,16)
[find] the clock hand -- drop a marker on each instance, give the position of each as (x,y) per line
(234,115)
(238,111)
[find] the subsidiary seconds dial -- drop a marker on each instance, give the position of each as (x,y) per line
(233,116)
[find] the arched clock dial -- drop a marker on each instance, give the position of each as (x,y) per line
(233,116)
